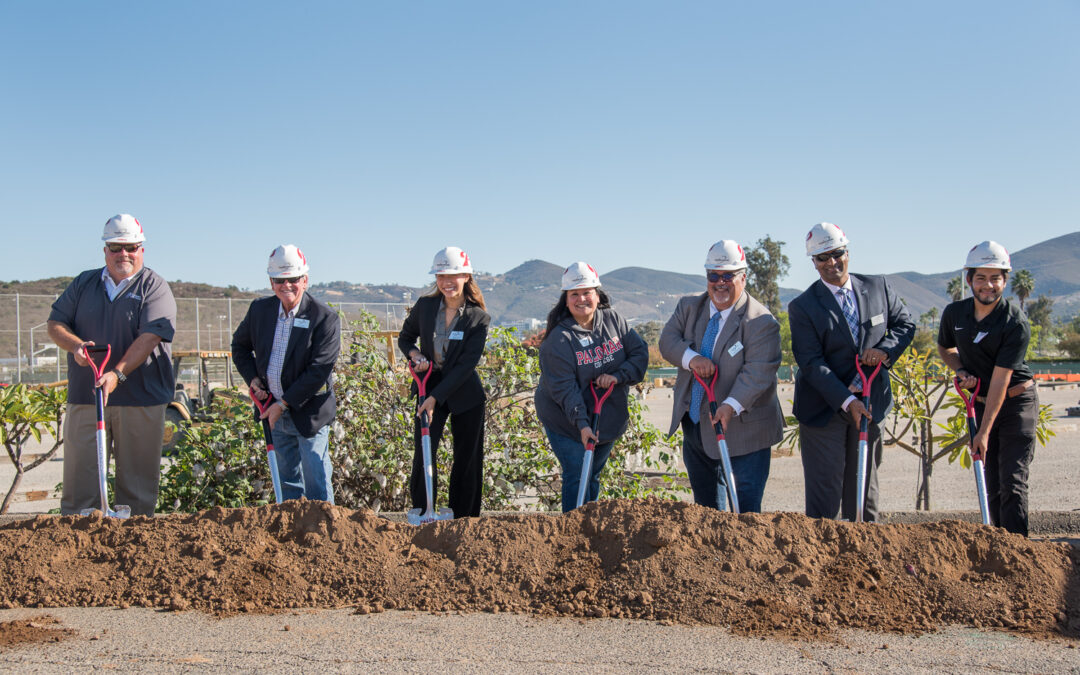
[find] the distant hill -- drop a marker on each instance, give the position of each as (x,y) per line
(529,290)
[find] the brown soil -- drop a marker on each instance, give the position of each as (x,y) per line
(31,631)
(669,561)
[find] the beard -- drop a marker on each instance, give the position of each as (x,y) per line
(993,297)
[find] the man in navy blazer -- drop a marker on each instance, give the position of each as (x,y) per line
(840,316)
(286,348)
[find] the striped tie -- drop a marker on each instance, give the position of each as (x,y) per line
(848,305)
(697,392)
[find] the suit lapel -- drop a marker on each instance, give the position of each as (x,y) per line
(295,335)
(701,320)
(862,297)
(731,324)
(831,307)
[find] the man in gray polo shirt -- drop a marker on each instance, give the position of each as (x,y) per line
(130,308)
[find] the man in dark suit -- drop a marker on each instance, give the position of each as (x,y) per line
(286,348)
(840,316)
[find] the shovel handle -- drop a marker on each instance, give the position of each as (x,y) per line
(95,367)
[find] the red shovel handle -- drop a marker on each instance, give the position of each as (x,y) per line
(709,388)
(97,368)
(866,381)
(599,401)
(263,406)
(421,383)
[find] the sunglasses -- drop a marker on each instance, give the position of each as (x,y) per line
(831,255)
(285,280)
(129,248)
(714,277)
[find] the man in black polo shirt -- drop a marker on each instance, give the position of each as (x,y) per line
(984,339)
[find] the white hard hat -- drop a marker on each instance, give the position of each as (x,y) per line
(988,254)
(580,275)
(451,260)
(824,237)
(726,255)
(287,261)
(123,229)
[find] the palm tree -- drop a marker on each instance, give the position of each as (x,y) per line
(1022,285)
(956,288)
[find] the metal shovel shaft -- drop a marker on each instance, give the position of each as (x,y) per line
(429,466)
(586,474)
(102,458)
(725,462)
(860,495)
(976,465)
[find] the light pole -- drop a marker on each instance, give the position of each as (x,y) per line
(221,331)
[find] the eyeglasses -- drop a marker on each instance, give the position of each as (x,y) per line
(285,280)
(129,248)
(714,277)
(831,255)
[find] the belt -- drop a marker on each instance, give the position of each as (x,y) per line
(1012,392)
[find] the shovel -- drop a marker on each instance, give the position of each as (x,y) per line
(864,438)
(429,515)
(725,458)
(976,464)
(122,511)
(271,456)
(587,462)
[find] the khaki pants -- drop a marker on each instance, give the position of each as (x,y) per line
(133,435)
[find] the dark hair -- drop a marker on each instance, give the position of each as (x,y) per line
(971,274)
(471,291)
(560,311)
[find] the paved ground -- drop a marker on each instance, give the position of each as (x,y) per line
(141,640)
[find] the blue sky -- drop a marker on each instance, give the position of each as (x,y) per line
(625,133)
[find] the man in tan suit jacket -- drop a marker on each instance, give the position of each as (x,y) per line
(746,350)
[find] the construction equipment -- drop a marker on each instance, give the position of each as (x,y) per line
(976,464)
(590,446)
(271,457)
(864,439)
(725,457)
(214,371)
(121,511)
(429,514)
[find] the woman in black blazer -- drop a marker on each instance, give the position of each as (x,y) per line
(451,325)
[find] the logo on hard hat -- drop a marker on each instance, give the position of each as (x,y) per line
(742,256)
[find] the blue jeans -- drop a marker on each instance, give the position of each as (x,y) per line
(571,454)
(707,474)
(303,462)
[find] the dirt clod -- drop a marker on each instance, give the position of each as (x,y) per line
(663,561)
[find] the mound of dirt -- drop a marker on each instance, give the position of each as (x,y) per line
(777,573)
(32,631)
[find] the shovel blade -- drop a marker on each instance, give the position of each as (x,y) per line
(122,511)
(416,517)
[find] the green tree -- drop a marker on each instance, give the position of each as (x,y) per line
(929,318)
(955,289)
(650,332)
(1023,283)
(1070,344)
(27,413)
(1040,312)
(766,266)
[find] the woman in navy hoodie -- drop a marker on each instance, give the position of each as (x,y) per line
(586,341)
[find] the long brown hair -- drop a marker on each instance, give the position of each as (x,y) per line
(471,292)
(560,311)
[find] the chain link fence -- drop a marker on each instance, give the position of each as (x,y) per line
(202,324)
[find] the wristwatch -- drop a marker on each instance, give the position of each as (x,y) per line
(120,376)
(284,405)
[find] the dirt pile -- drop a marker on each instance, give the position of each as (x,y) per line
(32,631)
(668,561)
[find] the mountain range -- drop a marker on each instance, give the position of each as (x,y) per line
(529,290)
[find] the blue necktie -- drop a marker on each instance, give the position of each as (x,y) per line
(848,305)
(697,392)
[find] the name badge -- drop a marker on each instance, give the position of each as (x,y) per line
(457,335)
(980,336)
(735,349)
(301,323)
(585,341)
(877,319)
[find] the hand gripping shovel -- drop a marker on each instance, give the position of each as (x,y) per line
(271,456)
(976,464)
(586,464)
(122,511)
(414,516)
(864,438)
(725,458)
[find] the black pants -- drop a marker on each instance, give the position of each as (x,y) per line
(830,458)
(467,471)
(1008,455)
